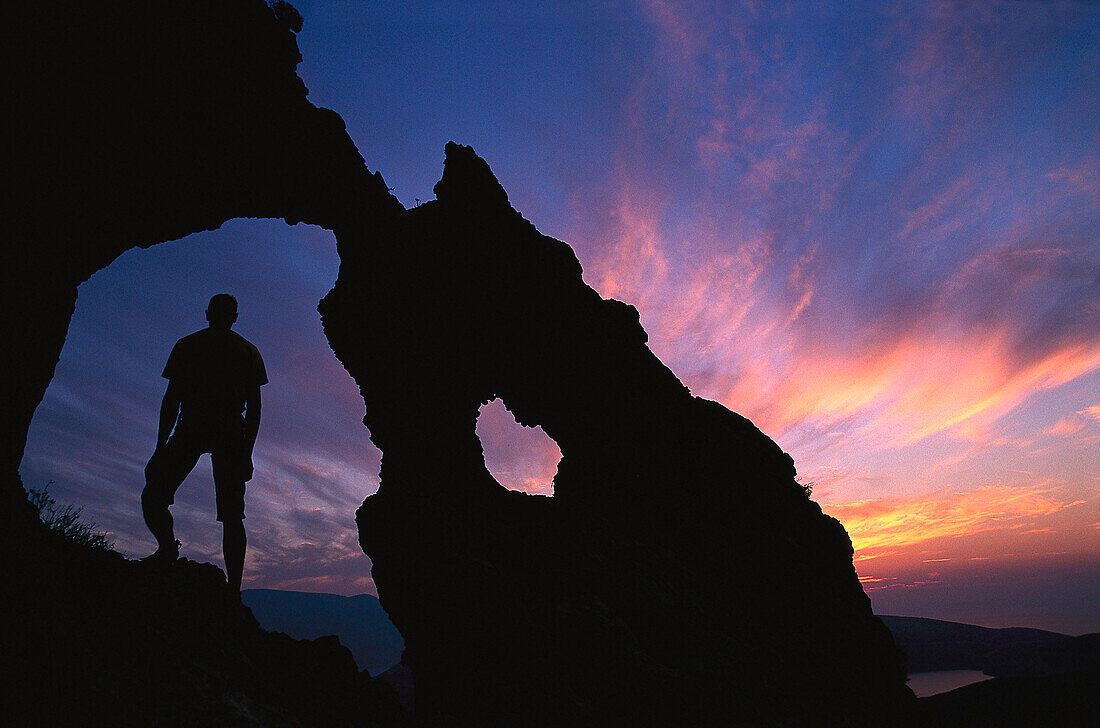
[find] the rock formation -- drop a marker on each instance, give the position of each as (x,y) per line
(91,639)
(134,123)
(680,575)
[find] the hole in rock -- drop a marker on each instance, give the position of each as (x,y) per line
(520,458)
(97,425)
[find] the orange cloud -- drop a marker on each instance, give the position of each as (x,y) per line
(758,291)
(879,525)
(913,387)
(717,324)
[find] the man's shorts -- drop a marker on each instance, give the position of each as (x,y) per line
(174,461)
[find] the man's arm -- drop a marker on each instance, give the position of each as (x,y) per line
(169,412)
(252,417)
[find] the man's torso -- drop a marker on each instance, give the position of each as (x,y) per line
(214,371)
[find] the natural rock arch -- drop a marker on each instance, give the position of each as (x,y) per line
(680,575)
(97,421)
(136,124)
(654,487)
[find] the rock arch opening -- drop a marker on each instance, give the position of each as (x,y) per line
(96,426)
(519,458)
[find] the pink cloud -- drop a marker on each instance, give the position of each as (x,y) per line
(1070,425)
(911,310)
(1092,412)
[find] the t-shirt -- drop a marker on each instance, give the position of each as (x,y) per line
(214,370)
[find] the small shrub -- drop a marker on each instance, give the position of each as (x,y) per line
(65,522)
(807,487)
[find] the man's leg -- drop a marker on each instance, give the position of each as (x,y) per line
(159,520)
(167,469)
(229,487)
(233,547)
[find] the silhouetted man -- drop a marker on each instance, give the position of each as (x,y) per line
(214,377)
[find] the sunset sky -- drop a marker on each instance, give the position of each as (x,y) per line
(871,228)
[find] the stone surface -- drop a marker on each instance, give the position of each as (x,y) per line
(92,639)
(678,576)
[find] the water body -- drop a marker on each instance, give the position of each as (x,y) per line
(934,683)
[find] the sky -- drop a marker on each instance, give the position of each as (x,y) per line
(872,228)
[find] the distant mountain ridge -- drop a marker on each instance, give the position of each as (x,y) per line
(932,644)
(359,621)
(1040,678)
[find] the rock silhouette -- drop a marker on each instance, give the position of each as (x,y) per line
(680,575)
(97,640)
(132,123)
(135,123)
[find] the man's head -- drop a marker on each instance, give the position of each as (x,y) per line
(221,312)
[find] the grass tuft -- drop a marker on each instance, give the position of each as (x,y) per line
(65,522)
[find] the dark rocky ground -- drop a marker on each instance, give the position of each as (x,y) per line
(93,639)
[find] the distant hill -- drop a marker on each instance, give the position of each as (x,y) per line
(1041,678)
(360,622)
(932,644)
